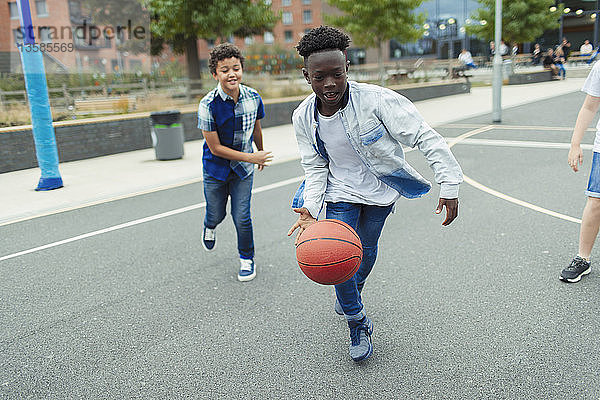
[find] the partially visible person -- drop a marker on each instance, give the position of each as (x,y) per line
(515,49)
(466,58)
(536,54)
(590,221)
(586,48)
(565,45)
(559,62)
(492,51)
(503,48)
(548,62)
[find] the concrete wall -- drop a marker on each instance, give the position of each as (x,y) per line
(77,141)
(529,77)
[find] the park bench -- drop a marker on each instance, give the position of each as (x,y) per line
(521,78)
(575,58)
(105,105)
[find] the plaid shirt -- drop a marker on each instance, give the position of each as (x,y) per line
(234,123)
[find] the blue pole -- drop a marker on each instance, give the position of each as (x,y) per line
(39,103)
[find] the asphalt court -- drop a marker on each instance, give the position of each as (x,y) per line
(474,310)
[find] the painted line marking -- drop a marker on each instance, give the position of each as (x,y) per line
(520,143)
(143,220)
(518,127)
(522,203)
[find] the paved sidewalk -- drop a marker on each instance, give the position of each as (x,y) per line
(107,178)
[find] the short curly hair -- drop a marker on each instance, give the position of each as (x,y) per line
(222,52)
(322,38)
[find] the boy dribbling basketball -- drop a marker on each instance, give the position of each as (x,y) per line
(350,137)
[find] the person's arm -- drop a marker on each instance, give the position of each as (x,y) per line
(407,126)
(584,118)
(316,170)
(219,150)
(258,140)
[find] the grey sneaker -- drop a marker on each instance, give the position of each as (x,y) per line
(575,270)
(209,239)
(361,342)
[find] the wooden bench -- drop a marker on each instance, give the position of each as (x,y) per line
(576,57)
(109,105)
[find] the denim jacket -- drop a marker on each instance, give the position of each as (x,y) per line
(377,121)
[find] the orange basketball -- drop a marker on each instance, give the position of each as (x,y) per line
(329,252)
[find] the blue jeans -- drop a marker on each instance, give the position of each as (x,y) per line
(368,222)
(561,70)
(216,193)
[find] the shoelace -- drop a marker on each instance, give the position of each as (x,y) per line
(355,332)
(246,265)
(209,234)
(576,263)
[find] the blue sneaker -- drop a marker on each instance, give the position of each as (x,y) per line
(247,270)
(209,239)
(361,342)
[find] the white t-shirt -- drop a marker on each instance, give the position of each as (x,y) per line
(592,87)
(349,179)
(466,57)
(586,49)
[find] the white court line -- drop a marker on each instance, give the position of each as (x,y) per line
(521,143)
(142,220)
(522,203)
(518,127)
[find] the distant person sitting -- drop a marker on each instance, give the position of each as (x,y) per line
(559,60)
(503,48)
(466,58)
(549,63)
(536,54)
(586,49)
(514,50)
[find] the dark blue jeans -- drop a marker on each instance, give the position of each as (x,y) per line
(368,222)
(216,193)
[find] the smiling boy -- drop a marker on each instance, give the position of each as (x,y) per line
(350,137)
(229,118)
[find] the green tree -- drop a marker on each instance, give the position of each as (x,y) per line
(181,23)
(522,20)
(371,23)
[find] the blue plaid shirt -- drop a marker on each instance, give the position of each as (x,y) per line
(234,122)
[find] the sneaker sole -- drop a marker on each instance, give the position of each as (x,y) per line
(247,277)
(206,248)
(577,279)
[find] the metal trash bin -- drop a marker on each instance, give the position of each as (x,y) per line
(167,135)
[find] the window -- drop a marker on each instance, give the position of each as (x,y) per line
(286,3)
(210,43)
(14,10)
(45,35)
(306,2)
(287,18)
(268,38)
(249,40)
(289,36)
(40,6)
(268,2)
(307,16)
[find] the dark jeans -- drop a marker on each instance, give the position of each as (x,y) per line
(216,193)
(368,222)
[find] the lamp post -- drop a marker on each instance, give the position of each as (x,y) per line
(497,69)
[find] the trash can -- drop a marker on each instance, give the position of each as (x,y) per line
(167,135)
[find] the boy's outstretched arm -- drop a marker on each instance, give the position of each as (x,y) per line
(215,146)
(258,139)
(451,210)
(584,118)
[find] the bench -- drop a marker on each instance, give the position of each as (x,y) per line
(110,105)
(521,78)
(576,57)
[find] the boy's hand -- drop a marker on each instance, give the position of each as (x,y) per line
(451,209)
(575,157)
(262,158)
(304,221)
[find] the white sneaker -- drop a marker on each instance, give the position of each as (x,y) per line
(247,270)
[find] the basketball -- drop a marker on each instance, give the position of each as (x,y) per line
(329,252)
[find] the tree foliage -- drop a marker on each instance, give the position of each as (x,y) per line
(522,20)
(370,23)
(178,20)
